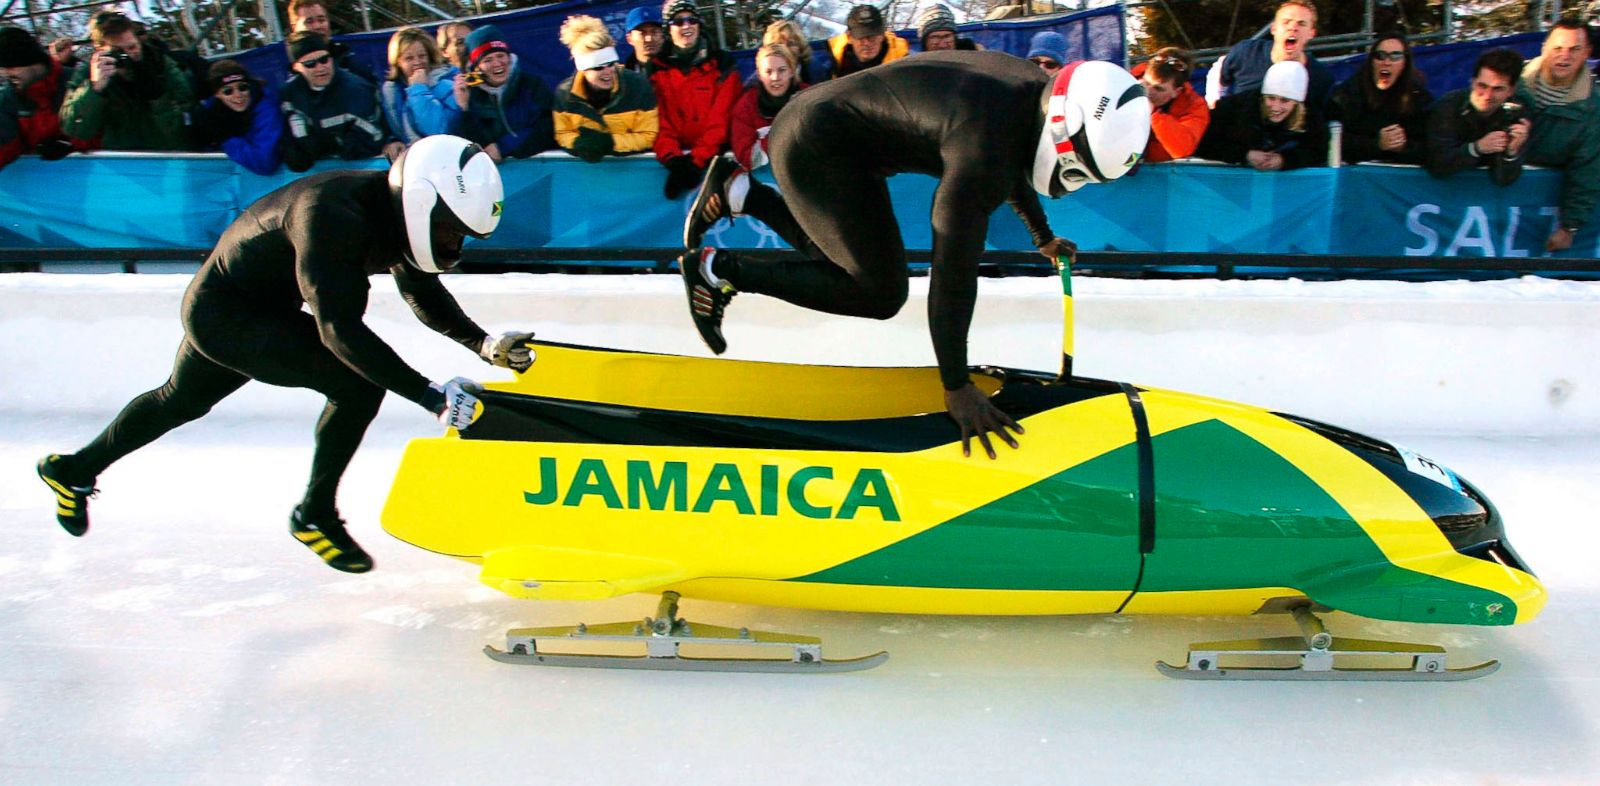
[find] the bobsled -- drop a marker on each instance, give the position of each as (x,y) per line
(602,472)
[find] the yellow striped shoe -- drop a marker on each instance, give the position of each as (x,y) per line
(329,540)
(72,502)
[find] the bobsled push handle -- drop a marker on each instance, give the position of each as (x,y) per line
(1064,265)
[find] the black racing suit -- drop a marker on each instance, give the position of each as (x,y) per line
(312,243)
(971,119)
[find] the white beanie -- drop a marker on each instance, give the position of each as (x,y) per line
(1287,79)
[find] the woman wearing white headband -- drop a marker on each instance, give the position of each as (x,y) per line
(602,109)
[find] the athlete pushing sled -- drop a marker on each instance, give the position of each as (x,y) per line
(314,242)
(993,128)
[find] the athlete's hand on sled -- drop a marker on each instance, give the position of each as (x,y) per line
(457,402)
(510,350)
(977,416)
(1059,247)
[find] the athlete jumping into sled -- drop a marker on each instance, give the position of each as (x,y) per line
(993,128)
(313,243)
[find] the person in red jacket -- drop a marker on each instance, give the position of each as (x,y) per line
(777,79)
(1179,115)
(31,88)
(696,86)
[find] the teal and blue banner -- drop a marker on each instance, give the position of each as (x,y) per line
(556,201)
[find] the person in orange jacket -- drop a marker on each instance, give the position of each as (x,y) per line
(1179,115)
(866,42)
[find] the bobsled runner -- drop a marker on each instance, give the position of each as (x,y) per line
(601,472)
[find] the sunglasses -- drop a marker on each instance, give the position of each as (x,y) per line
(1177,63)
(1393,57)
(1045,63)
(680,21)
(230,90)
(601,67)
(316,61)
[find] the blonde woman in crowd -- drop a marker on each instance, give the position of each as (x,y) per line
(416,90)
(808,69)
(602,109)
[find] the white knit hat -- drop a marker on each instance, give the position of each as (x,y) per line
(1287,79)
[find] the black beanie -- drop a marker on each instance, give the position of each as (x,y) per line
(304,43)
(19,48)
(224,73)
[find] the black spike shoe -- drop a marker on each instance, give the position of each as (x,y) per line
(706,302)
(328,539)
(703,214)
(72,502)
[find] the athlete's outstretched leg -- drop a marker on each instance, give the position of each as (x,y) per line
(196,385)
(288,351)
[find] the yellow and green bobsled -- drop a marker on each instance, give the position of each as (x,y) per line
(600,473)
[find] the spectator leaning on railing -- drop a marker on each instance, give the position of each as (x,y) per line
(505,109)
(1244,67)
(866,42)
(127,97)
(696,85)
(31,88)
(1178,115)
(602,109)
(1566,124)
(1384,107)
(416,94)
(242,118)
(1269,130)
(776,82)
(331,112)
(1480,125)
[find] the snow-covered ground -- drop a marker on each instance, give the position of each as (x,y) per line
(187,639)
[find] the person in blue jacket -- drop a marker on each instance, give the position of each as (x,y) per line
(330,112)
(241,118)
(416,94)
(505,109)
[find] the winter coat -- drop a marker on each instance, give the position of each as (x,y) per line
(29,116)
(342,120)
(630,117)
(1176,129)
(518,120)
(250,138)
(147,115)
(1567,137)
(894,48)
(1362,124)
(1453,127)
(1247,62)
(749,127)
(1237,128)
(695,105)
(416,111)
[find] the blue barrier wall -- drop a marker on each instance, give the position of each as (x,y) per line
(556,201)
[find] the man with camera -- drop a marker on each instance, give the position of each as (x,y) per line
(127,96)
(1480,125)
(1561,100)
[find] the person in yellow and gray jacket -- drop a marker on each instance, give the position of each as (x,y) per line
(866,42)
(602,109)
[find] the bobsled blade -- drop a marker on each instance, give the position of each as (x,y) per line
(785,653)
(1427,661)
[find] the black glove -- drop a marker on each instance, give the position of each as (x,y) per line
(592,144)
(53,149)
(682,176)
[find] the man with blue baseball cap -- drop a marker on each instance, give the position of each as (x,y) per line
(644,35)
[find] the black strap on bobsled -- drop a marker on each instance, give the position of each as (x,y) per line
(1147,486)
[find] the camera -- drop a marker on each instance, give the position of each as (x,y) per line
(474,78)
(1510,113)
(120,58)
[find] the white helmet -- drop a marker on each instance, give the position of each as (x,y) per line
(444,188)
(1096,125)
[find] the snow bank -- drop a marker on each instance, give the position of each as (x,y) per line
(1510,357)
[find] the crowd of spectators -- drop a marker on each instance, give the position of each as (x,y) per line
(1268,103)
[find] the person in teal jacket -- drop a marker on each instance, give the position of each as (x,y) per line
(1559,94)
(127,96)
